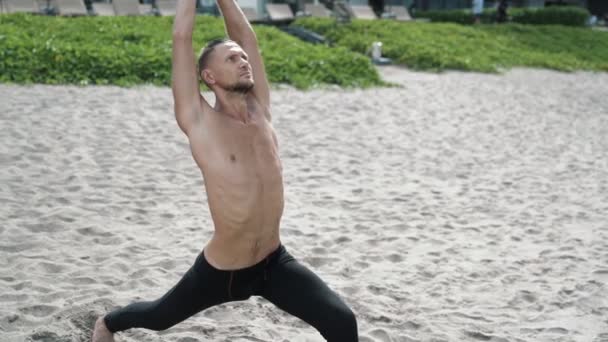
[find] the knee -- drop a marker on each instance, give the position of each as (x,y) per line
(347,320)
(343,326)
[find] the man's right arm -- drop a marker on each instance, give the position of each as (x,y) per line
(184,80)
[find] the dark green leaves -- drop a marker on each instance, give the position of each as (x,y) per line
(135,50)
(486,48)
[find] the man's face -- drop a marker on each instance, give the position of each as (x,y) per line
(231,68)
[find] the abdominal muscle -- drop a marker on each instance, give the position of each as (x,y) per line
(244,185)
(246,226)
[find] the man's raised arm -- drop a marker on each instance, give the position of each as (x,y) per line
(242,33)
(184,81)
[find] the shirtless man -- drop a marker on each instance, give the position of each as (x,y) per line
(235,146)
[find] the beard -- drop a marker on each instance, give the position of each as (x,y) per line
(240,87)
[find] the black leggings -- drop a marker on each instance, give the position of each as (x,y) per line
(279,278)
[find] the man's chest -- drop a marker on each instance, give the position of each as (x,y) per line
(243,151)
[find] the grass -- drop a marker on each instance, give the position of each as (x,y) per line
(134,50)
(485,48)
(553,15)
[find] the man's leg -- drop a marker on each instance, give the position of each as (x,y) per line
(200,288)
(298,291)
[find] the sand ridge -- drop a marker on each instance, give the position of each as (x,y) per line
(458,207)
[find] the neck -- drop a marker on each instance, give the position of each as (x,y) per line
(233,104)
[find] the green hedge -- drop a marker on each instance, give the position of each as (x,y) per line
(554,15)
(486,48)
(463,17)
(135,50)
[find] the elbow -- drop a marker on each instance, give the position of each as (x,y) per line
(182,34)
(249,32)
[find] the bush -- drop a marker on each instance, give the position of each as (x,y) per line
(568,16)
(486,48)
(135,50)
(463,17)
(555,15)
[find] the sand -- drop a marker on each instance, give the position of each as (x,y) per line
(458,207)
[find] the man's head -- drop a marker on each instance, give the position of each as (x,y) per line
(223,64)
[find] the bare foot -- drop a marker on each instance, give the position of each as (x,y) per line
(101,332)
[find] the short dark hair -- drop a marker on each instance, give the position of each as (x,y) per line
(203,60)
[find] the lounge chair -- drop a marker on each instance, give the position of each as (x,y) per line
(251,14)
(146,9)
(71,7)
(279,13)
(400,13)
(47,7)
(166,7)
(126,7)
(24,6)
(317,11)
(362,12)
(342,11)
(103,9)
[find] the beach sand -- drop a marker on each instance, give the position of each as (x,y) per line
(458,207)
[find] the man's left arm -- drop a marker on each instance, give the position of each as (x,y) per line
(239,30)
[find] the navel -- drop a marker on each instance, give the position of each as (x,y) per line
(232,158)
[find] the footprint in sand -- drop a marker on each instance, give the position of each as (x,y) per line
(361,265)
(39,310)
(343,239)
(48,336)
(380,335)
(319,261)
(49,227)
(62,200)
(188,339)
(93,231)
(319,250)
(477,335)
(166,265)
(218,313)
(558,330)
(523,296)
(603,337)
(83,281)
(601,275)
(51,267)
(394,258)
(8,297)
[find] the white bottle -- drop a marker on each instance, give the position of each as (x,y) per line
(376,50)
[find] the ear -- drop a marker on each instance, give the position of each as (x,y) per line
(208,77)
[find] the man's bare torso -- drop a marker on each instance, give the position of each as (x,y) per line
(243,179)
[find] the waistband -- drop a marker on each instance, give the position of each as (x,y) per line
(256,267)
